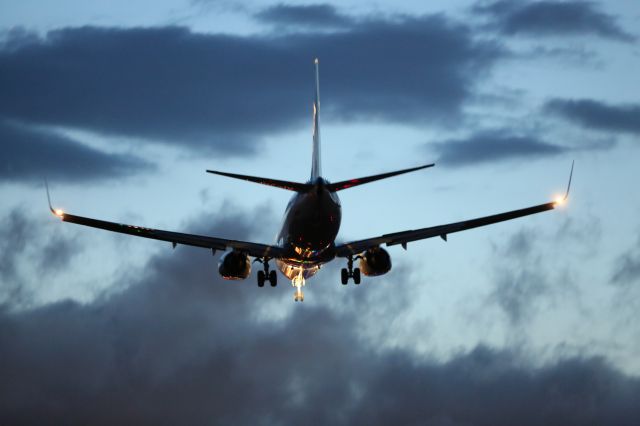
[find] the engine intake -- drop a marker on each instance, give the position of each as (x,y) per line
(234,265)
(375,261)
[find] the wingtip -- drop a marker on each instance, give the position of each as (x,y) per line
(561,200)
(56,212)
(566,194)
(46,187)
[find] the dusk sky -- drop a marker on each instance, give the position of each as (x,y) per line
(123,105)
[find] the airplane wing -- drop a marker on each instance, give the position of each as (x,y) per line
(356,247)
(252,249)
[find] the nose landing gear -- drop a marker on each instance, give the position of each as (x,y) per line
(350,272)
(298,283)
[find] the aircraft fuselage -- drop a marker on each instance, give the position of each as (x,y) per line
(311,224)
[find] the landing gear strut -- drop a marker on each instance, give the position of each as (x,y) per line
(265,274)
(298,283)
(350,272)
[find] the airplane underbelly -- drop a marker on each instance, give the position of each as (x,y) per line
(292,270)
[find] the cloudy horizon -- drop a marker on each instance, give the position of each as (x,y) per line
(123,108)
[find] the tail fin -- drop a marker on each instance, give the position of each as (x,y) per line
(338,186)
(315,160)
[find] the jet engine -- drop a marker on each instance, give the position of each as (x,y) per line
(375,261)
(234,265)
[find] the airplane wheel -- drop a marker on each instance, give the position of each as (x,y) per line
(345,276)
(356,275)
(261,278)
(273,278)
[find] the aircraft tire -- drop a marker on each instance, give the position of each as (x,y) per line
(261,278)
(356,276)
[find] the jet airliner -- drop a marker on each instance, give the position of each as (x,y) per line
(307,239)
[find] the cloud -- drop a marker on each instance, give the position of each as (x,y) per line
(31,154)
(180,345)
(15,233)
(520,280)
(571,55)
(57,253)
(226,92)
(598,115)
(313,15)
(493,146)
(28,249)
(627,270)
(533,280)
(553,18)
(143,357)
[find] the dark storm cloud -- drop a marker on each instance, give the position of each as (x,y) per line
(224,92)
(553,18)
(320,15)
(30,154)
(598,115)
(140,359)
(493,146)
(181,346)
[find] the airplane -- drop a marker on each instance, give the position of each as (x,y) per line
(307,239)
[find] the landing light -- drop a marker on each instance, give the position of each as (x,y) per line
(560,201)
(59,212)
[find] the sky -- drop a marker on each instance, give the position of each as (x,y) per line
(122,106)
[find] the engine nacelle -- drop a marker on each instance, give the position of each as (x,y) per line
(375,261)
(234,265)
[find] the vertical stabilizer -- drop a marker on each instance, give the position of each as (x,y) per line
(315,161)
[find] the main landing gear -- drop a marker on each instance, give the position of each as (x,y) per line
(350,272)
(266,275)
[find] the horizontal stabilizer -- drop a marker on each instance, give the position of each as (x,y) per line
(291,186)
(339,186)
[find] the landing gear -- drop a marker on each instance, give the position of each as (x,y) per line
(350,272)
(298,283)
(265,275)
